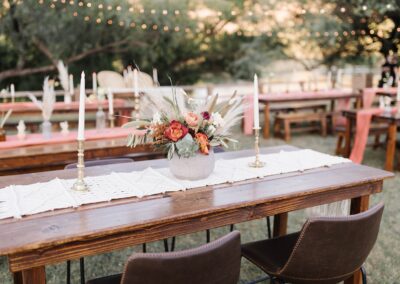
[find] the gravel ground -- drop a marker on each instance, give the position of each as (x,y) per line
(382,265)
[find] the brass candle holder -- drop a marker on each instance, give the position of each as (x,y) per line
(80,184)
(257,163)
(111,117)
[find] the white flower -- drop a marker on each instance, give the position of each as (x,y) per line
(211,130)
(217,119)
(156,118)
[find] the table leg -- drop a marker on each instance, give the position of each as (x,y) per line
(391,147)
(35,275)
(17,276)
(267,121)
(347,136)
(358,205)
(280,224)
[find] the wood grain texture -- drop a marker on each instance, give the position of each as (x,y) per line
(51,157)
(54,237)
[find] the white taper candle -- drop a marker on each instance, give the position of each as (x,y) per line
(110,96)
(82,100)
(12,89)
(255,106)
(71,84)
(155,76)
(94,83)
(135,82)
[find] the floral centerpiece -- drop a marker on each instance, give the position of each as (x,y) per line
(186,129)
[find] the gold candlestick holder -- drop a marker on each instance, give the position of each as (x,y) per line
(80,184)
(111,117)
(257,163)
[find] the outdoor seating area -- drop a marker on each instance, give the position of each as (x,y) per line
(204,142)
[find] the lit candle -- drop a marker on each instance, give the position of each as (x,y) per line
(135,82)
(155,76)
(82,100)
(94,82)
(256,108)
(110,96)
(12,88)
(71,84)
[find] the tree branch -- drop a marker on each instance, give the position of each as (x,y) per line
(19,72)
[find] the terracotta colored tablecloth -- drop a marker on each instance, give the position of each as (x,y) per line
(363,124)
(370,93)
(343,104)
(57,138)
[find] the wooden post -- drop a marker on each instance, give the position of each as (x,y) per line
(391,146)
(35,275)
(280,225)
(266,121)
(347,136)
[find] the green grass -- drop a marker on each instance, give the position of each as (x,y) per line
(382,265)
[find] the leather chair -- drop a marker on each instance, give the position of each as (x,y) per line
(217,262)
(326,250)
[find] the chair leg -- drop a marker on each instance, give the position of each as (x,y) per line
(173,244)
(339,144)
(166,245)
(144,248)
(208,236)
(232,227)
(68,272)
(269,228)
(377,142)
(364,275)
(82,268)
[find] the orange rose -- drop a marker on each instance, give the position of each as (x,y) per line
(192,119)
(202,139)
(175,131)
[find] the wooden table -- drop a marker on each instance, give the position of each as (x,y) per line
(56,156)
(268,99)
(35,241)
(393,120)
(122,109)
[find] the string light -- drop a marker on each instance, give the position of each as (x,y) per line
(166,28)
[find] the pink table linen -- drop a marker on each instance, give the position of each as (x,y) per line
(363,124)
(369,95)
(343,104)
(29,106)
(57,138)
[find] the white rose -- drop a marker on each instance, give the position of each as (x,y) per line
(156,118)
(217,119)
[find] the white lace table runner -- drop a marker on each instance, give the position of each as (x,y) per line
(20,200)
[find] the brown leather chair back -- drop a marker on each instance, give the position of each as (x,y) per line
(329,250)
(215,263)
(101,162)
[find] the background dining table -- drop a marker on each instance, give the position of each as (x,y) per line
(35,241)
(35,153)
(332,96)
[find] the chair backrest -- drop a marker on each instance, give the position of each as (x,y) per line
(215,263)
(110,79)
(101,162)
(333,248)
(144,80)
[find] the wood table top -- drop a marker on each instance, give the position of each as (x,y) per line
(56,156)
(307,96)
(97,222)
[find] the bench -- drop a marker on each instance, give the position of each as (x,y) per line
(284,122)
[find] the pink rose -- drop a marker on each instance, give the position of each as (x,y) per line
(192,119)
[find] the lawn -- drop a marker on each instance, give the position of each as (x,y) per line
(382,265)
